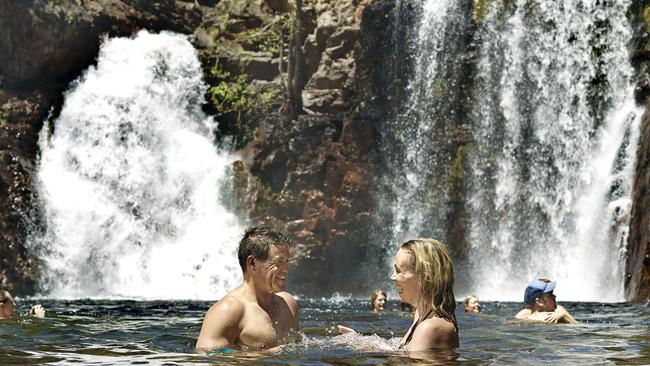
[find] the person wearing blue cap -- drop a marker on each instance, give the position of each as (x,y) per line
(541,305)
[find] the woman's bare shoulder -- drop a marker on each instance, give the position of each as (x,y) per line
(434,333)
(436,324)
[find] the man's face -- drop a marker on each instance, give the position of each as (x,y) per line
(546,302)
(273,271)
(405,277)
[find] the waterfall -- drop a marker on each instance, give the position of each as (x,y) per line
(413,143)
(556,129)
(547,168)
(130,182)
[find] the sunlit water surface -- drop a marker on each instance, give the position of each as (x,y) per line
(149,332)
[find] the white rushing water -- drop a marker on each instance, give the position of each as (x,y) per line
(549,165)
(411,187)
(131,183)
(556,129)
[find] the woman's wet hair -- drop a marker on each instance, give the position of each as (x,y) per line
(436,277)
(468,298)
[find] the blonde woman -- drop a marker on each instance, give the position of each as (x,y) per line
(424,276)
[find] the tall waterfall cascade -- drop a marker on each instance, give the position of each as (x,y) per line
(547,169)
(130,182)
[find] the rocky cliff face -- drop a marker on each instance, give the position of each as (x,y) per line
(637,266)
(637,285)
(311,177)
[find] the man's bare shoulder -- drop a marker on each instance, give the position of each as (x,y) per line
(222,324)
(228,307)
(291,303)
(537,316)
(288,298)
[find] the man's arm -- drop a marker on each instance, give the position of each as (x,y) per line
(523,314)
(221,325)
(560,315)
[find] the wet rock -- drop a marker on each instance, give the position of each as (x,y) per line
(637,268)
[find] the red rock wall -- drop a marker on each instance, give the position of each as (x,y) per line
(637,283)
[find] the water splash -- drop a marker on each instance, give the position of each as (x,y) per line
(130,182)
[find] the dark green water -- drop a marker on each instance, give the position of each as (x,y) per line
(164,332)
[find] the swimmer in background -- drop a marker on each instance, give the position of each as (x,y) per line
(378,301)
(7,306)
(540,304)
(471,304)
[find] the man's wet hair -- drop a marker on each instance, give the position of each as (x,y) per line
(257,242)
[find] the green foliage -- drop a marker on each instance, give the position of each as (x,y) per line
(269,98)
(270,37)
(63,9)
(480,7)
(234,96)
(439,87)
(456,175)
(646,18)
(234,99)
(219,73)
(70,17)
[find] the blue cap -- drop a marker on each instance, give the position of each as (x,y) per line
(536,289)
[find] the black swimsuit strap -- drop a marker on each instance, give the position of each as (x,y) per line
(412,328)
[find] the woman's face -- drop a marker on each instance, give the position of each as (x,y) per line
(473,305)
(404,277)
(380,303)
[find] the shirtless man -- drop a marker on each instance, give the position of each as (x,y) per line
(541,305)
(258,314)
